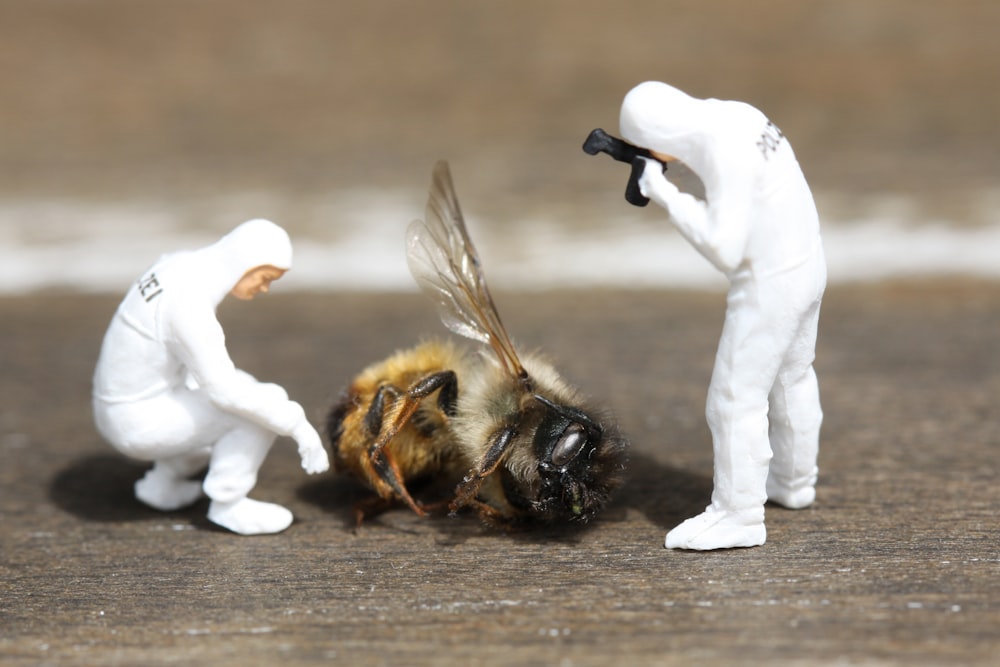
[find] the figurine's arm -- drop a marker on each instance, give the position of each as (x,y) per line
(718,230)
(201,345)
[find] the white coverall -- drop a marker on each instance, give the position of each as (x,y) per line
(759,226)
(165,389)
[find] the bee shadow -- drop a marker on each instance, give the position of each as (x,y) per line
(664,495)
(336,495)
(339,496)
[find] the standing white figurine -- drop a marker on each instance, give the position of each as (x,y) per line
(759,226)
(165,389)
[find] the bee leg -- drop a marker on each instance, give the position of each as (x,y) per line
(381,458)
(369,507)
(466,492)
(448,396)
(492,516)
(436,506)
(387,471)
(382,465)
(376,411)
(445,381)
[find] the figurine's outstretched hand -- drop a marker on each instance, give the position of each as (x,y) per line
(314,457)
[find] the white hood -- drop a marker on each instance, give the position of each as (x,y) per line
(700,133)
(664,119)
(254,243)
(220,266)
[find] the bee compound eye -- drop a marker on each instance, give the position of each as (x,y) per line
(569,445)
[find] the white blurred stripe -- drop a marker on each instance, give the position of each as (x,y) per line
(359,246)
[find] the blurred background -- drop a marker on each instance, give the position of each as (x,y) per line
(132,127)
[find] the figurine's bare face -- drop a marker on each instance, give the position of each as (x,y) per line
(255,281)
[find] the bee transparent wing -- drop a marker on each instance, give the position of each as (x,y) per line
(433,270)
(445,264)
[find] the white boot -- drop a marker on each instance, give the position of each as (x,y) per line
(796,417)
(163,490)
(719,529)
(793,495)
(250,517)
(232,474)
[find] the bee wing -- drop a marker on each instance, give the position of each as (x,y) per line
(446,265)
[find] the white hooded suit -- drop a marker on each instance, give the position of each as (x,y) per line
(165,389)
(759,226)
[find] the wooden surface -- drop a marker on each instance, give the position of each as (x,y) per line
(897,563)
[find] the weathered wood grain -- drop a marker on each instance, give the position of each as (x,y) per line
(897,563)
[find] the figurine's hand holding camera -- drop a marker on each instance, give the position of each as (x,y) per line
(652,183)
(314,457)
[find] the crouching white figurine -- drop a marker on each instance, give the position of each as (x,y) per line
(759,226)
(166,391)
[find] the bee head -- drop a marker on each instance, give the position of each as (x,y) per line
(579,462)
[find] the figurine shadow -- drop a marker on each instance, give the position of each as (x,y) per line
(664,495)
(101,488)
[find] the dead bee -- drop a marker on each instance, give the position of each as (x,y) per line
(520,443)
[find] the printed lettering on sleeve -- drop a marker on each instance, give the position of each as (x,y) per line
(149,287)
(769,140)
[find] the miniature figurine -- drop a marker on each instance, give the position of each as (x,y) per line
(759,226)
(166,391)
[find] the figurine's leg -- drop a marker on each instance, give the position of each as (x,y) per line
(232,473)
(167,485)
(735,518)
(746,364)
(795,418)
(174,432)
